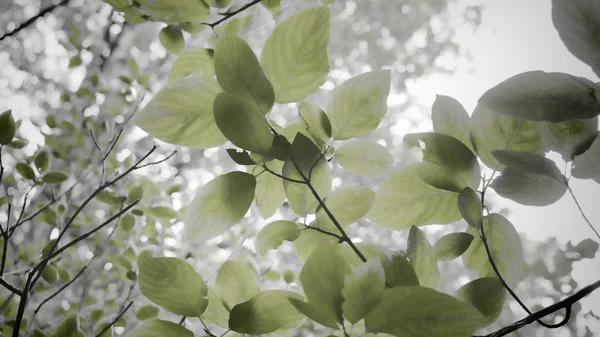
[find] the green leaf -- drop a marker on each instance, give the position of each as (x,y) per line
(3,200)
(528,188)
(505,245)
(454,166)
(358,105)
(364,158)
(239,72)
(172,39)
(162,212)
(269,189)
(308,241)
(312,165)
(421,257)
(219,204)
(25,170)
(8,127)
(470,207)
(182,113)
(172,284)
(451,246)
(422,312)
(450,117)
(222,3)
(289,276)
(193,11)
(315,122)
(198,61)
(242,122)
(47,248)
(41,161)
(348,204)
(363,290)
(236,283)
(241,157)
(55,177)
(323,280)
(216,311)
(328,2)
(39,333)
(96,315)
(529,162)
(404,200)
(399,271)
(295,57)
(541,96)
(50,274)
(75,61)
(274,6)
(272,235)
(587,165)
(570,138)
(577,25)
(135,193)
(312,313)
(69,327)
(146,312)
(487,294)
(63,275)
(492,131)
(158,328)
(264,313)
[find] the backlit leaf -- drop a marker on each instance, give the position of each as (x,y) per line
(362,290)
(172,39)
(158,328)
(587,165)
(269,189)
(469,205)
(309,311)
(487,294)
(236,283)
(8,127)
(421,257)
(272,235)
(529,162)
(528,188)
(198,61)
(316,122)
(146,312)
(399,271)
(450,117)
(348,204)
(69,327)
(41,161)
(266,312)
(193,11)
(451,246)
(570,138)
(364,158)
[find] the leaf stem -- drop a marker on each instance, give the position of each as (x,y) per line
(581,211)
(227,16)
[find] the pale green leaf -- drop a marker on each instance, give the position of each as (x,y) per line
(50,274)
(55,177)
(182,113)
(172,39)
(135,193)
(158,328)
(219,205)
(470,207)
(236,283)
(69,327)
(570,138)
(216,311)
(41,161)
(308,241)
(309,311)
(529,162)
(587,165)
(146,312)
(487,294)
(266,312)
(348,204)
(357,106)
(421,257)
(363,290)
(274,6)
(404,200)
(399,271)
(162,212)
(198,61)
(528,188)
(172,284)
(295,56)
(8,127)
(451,246)
(272,235)
(315,122)
(450,117)
(291,130)
(193,11)
(269,189)
(364,158)
(422,312)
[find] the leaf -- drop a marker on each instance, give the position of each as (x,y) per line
(182,113)
(492,131)
(421,257)
(450,117)
(162,212)
(172,39)
(309,311)
(448,154)
(541,96)
(241,157)
(529,162)
(69,327)
(451,246)
(216,311)
(587,165)
(236,283)
(364,158)
(272,235)
(274,6)
(470,207)
(587,248)
(269,189)
(39,333)
(308,241)
(357,106)
(135,193)
(239,72)
(323,280)
(348,204)
(399,271)
(577,25)
(363,290)
(505,245)
(50,274)
(527,188)
(312,165)
(295,57)
(223,3)
(41,161)
(158,328)
(127,222)
(487,294)
(198,61)
(404,200)
(315,122)
(8,127)
(75,61)
(570,138)
(172,284)
(25,170)
(193,11)
(55,177)
(219,204)
(422,312)
(242,122)
(146,312)
(266,312)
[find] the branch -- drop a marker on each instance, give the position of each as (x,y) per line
(115,320)
(325,232)
(34,19)
(10,287)
(581,211)
(227,16)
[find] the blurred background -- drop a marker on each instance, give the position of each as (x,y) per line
(86,67)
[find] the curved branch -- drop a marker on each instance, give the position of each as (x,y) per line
(227,16)
(115,320)
(33,19)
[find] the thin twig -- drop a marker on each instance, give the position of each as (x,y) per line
(5,237)
(33,19)
(159,161)
(582,213)
(227,16)
(10,287)
(283,177)
(339,237)
(115,320)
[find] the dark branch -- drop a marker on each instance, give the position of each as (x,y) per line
(227,16)
(340,238)
(10,287)
(34,19)
(115,320)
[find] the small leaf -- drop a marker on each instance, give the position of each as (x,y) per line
(421,257)
(162,212)
(69,327)
(8,127)
(236,283)
(50,274)
(272,235)
(172,39)
(135,193)
(41,161)
(451,246)
(315,121)
(219,204)
(173,284)
(264,313)
(450,117)
(25,170)
(289,276)
(146,312)
(198,61)
(158,328)
(487,294)
(348,204)
(470,207)
(363,158)
(398,271)
(75,61)
(55,177)
(363,290)
(269,189)
(96,315)
(222,3)
(241,157)
(358,105)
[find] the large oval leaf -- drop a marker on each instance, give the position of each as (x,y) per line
(528,188)
(450,117)
(173,284)
(363,290)
(587,165)
(159,328)
(399,271)
(357,106)
(266,312)
(364,158)
(236,283)
(238,71)
(487,294)
(216,311)
(198,61)
(420,255)
(269,189)
(541,96)
(272,235)
(451,246)
(240,119)
(295,56)
(182,113)
(422,312)
(529,162)
(315,122)
(194,11)
(308,241)
(570,138)
(404,200)
(348,204)
(219,204)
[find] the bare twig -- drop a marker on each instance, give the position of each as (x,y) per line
(227,16)
(340,238)
(33,19)
(10,287)
(5,237)
(283,177)
(582,213)
(115,320)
